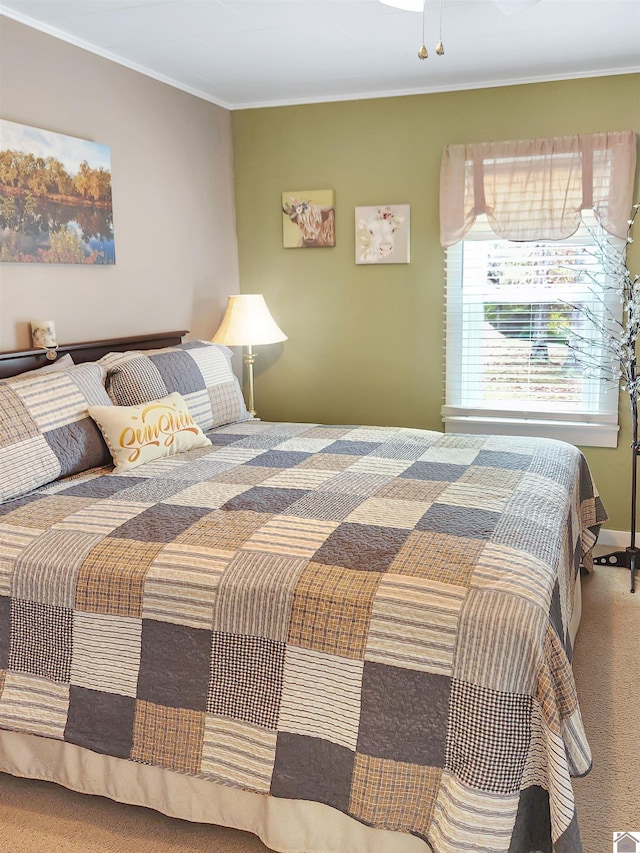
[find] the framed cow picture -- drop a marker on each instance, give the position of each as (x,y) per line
(382,234)
(308,219)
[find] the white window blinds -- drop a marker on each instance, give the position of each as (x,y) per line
(518,345)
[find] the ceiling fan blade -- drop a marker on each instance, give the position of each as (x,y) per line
(510,7)
(407,5)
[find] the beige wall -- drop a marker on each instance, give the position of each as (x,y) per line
(173,210)
(366,343)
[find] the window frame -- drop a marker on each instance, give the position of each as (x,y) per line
(598,428)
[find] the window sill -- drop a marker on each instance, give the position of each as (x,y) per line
(573,432)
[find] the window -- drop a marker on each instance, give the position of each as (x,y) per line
(530,311)
(521,355)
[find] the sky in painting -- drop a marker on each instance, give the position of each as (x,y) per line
(69,150)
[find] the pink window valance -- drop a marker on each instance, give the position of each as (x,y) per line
(536,189)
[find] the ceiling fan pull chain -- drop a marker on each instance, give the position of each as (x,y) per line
(440,46)
(423,53)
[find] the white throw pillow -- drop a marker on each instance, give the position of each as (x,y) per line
(138,434)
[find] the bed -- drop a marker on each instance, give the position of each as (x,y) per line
(345,639)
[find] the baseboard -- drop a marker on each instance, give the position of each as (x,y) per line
(614,538)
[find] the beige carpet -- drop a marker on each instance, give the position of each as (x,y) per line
(607,670)
(36,816)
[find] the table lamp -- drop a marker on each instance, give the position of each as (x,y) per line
(247,322)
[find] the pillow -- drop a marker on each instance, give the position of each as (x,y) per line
(63,363)
(200,371)
(138,434)
(45,428)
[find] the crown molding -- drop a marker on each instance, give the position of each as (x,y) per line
(112,57)
(462,87)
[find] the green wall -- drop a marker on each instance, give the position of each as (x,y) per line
(366,342)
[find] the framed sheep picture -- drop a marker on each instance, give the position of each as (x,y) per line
(382,234)
(308,219)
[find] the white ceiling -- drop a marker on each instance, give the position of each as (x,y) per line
(250,53)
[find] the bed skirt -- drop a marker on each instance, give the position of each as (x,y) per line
(288,826)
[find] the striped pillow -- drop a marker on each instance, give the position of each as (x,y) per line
(45,428)
(200,371)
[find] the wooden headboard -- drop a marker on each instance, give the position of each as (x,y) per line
(17,361)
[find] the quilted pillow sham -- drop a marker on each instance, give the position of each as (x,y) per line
(200,371)
(138,434)
(45,428)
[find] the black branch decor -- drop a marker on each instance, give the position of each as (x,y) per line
(611,352)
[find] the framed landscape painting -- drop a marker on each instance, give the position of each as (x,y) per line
(55,198)
(382,234)
(308,219)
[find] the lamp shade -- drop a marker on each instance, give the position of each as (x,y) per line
(247,322)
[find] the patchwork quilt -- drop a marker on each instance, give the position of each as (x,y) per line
(371,618)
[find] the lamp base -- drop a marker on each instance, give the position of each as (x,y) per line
(627,559)
(249,358)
